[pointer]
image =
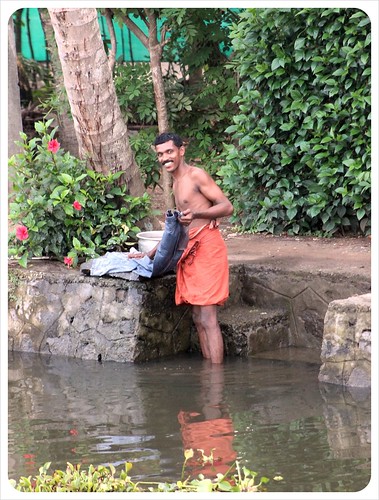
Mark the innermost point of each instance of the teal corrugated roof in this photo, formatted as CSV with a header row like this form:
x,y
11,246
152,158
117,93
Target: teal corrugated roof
x,y
33,45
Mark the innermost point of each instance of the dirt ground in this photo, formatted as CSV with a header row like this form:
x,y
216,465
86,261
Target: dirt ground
x,y
347,255
307,253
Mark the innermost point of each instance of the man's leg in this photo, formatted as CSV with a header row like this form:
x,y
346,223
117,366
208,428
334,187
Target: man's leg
x,y
208,329
196,316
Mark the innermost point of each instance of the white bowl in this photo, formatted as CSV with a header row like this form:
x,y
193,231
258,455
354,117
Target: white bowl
x,y
148,240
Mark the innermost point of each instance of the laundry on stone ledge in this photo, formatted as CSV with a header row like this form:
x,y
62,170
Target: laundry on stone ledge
x,y
116,264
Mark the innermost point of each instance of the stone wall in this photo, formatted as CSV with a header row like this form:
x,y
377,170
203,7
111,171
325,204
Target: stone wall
x,y
59,311
270,308
346,345
303,295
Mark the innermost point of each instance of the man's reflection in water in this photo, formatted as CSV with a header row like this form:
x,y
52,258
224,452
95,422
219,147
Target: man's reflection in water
x,y
212,429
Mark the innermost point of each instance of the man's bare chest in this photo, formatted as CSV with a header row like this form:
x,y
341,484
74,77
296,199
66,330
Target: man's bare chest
x,y
185,194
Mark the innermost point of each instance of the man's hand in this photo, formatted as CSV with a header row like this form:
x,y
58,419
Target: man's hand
x,y
139,255
186,217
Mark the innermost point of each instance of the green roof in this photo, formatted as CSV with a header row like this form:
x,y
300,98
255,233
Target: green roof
x,y
33,45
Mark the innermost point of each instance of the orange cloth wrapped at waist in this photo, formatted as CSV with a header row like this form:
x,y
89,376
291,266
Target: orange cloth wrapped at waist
x,y
202,273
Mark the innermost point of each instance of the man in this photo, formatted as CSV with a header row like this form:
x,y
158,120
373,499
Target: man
x,y
202,277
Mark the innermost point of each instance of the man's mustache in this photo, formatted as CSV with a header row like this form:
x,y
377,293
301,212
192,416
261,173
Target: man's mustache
x,y
166,161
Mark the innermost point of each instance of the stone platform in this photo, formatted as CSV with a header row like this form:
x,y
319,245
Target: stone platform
x,y
63,312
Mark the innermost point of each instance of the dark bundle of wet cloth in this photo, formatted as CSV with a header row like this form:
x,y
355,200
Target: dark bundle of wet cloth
x,y
174,241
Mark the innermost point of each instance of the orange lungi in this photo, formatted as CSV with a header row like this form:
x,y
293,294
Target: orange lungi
x,y
212,436
202,273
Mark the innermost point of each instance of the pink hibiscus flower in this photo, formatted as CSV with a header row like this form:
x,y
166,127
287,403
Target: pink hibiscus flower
x,y
53,145
77,205
22,233
68,261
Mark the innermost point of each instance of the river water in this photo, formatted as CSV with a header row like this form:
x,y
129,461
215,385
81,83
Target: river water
x,y
273,416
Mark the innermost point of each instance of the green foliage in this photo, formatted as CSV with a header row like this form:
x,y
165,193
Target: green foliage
x,y
198,90
135,93
204,125
31,74
145,156
199,111
104,479
204,32
302,163
47,184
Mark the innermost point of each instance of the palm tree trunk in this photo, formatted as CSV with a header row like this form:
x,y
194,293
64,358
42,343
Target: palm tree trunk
x,y
67,135
99,126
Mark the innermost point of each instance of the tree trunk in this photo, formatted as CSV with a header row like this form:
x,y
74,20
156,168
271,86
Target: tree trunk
x,y
155,47
14,104
67,136
100,130
155,51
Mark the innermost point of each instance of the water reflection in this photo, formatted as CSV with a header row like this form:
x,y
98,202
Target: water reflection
x,y
210,432
273,416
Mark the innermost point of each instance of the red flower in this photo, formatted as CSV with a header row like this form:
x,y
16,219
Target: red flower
x,y
77,205
22,233
53,145
68,261
73,432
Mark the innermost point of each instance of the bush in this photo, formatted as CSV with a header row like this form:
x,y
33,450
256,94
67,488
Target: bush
x,y
301,163
63,210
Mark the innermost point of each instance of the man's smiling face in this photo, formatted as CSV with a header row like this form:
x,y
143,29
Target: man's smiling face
x,y
169,155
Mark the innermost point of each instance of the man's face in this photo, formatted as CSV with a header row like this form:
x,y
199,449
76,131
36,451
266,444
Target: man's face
x,y
169,155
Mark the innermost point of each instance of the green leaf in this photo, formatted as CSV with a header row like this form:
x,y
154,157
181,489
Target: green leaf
x,y
56,194
287,126
291,213
361,213
64,193
313,211
23,261
40,127
224,486
339,72
299,43
65,178
76,243
204,486
69,210
276,63
365,22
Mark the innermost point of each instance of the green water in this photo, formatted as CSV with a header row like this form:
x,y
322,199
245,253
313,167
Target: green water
x,y
271,415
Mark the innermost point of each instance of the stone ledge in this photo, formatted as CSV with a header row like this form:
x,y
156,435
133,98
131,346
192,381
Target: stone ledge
x,y
248,330
60,311
346,345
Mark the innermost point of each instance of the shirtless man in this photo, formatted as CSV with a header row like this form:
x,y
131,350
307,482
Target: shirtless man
x,y
203,271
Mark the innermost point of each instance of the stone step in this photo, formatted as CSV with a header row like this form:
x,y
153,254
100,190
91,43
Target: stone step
x,y
292,355
249,330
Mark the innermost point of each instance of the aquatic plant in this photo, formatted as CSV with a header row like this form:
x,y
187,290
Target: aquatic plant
x,y
103,479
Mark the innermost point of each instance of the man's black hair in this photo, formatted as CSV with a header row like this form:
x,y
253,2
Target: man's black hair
x,y
169,136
